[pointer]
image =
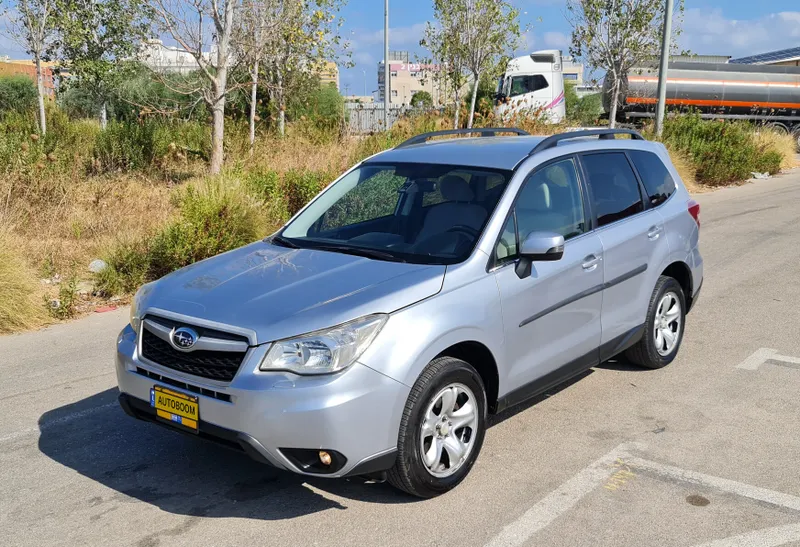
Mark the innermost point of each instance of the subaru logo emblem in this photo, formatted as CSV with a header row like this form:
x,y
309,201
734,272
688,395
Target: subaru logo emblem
x,y
184,338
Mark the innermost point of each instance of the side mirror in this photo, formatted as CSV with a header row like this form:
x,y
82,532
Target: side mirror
x,y
539,247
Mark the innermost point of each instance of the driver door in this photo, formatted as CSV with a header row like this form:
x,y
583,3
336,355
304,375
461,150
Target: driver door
x,y
552,318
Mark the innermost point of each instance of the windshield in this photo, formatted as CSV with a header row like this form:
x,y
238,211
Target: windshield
x,y
425,214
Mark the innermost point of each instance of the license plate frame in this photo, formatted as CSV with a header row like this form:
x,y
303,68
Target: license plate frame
x,y
176,408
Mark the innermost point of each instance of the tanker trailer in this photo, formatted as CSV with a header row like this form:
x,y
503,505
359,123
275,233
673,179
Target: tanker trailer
x,y
768,95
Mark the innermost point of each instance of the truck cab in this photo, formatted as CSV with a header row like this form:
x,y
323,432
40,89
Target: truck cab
x,y
533,85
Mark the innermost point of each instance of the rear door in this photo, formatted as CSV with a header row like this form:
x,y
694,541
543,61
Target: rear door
x,y
634,245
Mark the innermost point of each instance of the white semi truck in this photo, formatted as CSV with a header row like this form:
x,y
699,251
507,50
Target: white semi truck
x,y
533,85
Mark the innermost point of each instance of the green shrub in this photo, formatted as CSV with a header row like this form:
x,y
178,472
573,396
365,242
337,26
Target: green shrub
x,y
215,217
17,93
300,186
583,111
137,146
125,146
64,307
422,99
722,152
127,270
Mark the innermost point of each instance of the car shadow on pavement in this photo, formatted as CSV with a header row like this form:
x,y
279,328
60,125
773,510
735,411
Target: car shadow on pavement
x,y
522,407
181,474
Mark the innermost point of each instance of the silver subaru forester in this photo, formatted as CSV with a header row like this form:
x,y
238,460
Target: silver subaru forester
x,y
429,286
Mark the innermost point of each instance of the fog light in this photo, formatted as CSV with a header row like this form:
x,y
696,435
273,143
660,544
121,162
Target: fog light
x,y
324,458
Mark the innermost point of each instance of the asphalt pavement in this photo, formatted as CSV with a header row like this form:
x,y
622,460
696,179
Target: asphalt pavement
x,y
704,452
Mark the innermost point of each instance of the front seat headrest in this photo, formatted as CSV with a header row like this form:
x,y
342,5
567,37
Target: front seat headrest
x,y
454,188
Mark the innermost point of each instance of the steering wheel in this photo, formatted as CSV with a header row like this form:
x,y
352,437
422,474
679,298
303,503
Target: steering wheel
x,y
464,229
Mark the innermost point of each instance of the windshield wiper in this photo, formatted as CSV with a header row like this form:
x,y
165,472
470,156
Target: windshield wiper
x,y
358,251
283,242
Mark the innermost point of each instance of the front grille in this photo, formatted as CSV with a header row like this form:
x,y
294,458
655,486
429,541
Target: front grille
x,y
183,385
214,365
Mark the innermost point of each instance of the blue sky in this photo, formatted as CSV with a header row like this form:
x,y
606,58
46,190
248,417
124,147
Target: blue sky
x,y
723,27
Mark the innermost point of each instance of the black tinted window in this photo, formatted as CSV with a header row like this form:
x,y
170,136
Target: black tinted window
x,y
614,186
528,84
655,176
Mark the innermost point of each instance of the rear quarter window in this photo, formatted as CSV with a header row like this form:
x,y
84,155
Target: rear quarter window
x,y
656,178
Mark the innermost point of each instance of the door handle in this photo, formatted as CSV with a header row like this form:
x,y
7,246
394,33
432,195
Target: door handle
x,y
590,263
654,232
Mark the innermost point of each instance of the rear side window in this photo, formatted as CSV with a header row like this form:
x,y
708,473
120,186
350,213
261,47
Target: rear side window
x,y
614,186
655,176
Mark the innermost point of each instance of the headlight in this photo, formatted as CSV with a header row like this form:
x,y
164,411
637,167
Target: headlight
x,y
324,351
138,298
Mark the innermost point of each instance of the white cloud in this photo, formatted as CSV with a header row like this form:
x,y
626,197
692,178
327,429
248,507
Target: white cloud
x,y
710,32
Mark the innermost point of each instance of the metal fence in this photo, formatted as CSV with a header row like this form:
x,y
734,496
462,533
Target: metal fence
x,y
368,118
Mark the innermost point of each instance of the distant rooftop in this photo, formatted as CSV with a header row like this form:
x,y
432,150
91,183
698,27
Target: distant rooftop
x,y
792,54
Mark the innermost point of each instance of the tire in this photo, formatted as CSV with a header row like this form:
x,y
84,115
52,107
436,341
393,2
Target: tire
x,y
410,472
653,351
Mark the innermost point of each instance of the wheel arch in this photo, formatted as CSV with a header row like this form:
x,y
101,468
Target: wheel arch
x,y
481,358
680,272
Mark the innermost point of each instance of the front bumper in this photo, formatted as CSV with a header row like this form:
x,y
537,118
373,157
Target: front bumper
x,y
355,413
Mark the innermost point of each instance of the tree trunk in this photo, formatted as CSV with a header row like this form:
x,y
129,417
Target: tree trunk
x,y
253,99
612,116
474,98
217,135
40,92
281,106
457,109
104,116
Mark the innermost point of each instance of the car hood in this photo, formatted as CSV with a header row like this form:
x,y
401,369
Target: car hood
x,y
278,292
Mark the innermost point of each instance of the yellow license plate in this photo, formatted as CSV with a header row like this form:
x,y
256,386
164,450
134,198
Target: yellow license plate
x,y
176,407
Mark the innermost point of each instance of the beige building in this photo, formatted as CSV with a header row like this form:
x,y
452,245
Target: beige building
x,y
406,78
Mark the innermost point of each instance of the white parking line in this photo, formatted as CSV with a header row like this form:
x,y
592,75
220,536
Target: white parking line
x,y
58,421
559,501
762,355
570,493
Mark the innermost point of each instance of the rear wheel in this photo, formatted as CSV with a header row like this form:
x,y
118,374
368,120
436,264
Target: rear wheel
x,y
442,429
664,326
796,135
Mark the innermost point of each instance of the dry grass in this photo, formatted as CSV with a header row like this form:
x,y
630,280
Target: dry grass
x,y
783,143
66,226
20,297
686,170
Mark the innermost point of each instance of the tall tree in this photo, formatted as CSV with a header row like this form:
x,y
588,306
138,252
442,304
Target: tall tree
x,y
196,25
31,25
306,40
447,64
253,41
95,36
474,34
616,35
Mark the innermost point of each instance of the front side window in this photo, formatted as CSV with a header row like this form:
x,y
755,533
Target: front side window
x,y
550,201
420,213
527,84
656,178
614,186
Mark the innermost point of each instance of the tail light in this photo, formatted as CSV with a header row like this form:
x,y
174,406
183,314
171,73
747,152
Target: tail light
x,y
694,210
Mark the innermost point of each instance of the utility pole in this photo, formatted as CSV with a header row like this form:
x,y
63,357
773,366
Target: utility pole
x,y
666,42
386,92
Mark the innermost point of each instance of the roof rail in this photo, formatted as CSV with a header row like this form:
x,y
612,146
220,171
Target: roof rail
x,y
483,131
603,134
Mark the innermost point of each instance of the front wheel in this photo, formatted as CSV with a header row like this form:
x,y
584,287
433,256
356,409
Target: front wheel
x,y
664,327
442,429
